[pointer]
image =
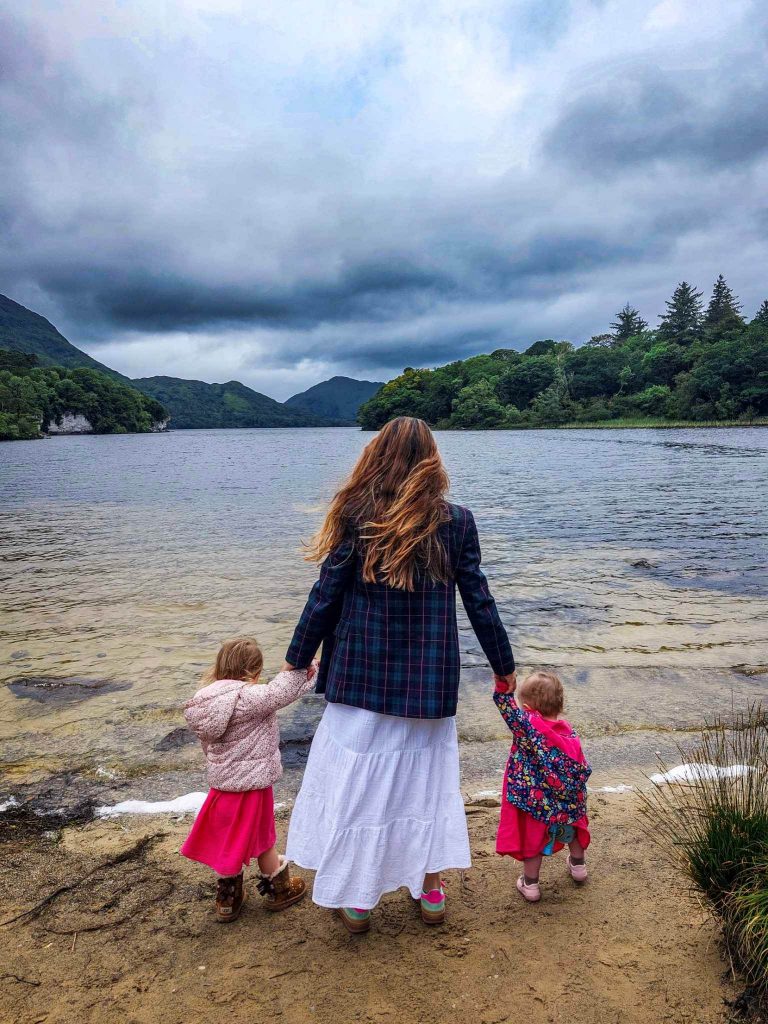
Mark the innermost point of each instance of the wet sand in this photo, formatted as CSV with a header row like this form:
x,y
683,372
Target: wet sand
x,y
137,942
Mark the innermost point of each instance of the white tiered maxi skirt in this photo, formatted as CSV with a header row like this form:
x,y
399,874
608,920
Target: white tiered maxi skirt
x,y
379,806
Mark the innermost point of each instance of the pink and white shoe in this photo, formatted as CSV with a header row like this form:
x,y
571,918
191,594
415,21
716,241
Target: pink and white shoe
x,y
578,872
530,891
433,906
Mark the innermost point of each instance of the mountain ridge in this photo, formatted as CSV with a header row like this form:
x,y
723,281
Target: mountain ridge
x,y
191,403
337,398
42,339
196,404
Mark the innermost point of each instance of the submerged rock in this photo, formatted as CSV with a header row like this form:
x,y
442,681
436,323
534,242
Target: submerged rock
x,y
49,689
176,738
752,670
641,563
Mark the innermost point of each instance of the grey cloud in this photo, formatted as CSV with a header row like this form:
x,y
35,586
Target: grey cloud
x,y
154,187
152,299
644,115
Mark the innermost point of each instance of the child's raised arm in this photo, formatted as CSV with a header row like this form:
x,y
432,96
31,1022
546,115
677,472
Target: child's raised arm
x,y
262,699
527,738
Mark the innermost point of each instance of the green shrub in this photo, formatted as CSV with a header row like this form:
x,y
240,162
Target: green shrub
x,y
716,831
654,401
746,922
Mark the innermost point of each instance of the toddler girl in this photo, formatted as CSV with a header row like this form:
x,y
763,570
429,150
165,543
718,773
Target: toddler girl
x,y
544,800
235,719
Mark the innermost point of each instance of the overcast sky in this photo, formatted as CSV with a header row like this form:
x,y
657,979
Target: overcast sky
x,y
280,190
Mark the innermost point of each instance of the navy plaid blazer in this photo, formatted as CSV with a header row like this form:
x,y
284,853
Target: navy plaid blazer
x,y
397,651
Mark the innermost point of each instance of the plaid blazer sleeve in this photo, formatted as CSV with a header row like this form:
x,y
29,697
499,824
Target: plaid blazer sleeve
x,y
324,604
478,601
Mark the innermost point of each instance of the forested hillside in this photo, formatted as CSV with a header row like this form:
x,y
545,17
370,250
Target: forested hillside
x,y
23,330
191,403
33,396
337,399
195,403
699,364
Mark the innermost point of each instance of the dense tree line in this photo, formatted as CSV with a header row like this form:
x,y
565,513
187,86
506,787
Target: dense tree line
x,y
32,397
699,364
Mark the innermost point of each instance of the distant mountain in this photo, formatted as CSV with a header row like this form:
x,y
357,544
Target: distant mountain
x,y
193,403
336,399
21,330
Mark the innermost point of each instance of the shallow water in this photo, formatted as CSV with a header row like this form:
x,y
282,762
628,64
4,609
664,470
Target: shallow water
x,y
128,558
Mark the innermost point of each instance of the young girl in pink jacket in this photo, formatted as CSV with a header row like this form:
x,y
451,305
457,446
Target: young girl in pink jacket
x,y
235,719
544,799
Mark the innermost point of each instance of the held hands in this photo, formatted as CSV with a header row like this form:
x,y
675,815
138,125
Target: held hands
x,y
506,684
311,669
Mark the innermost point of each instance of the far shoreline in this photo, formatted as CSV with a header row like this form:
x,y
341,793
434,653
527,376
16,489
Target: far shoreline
x,y
618,424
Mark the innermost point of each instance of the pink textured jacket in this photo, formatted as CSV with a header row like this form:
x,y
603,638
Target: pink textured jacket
x,y
237,725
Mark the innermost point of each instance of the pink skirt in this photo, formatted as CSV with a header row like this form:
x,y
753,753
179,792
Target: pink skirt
x,y
521,836
231,829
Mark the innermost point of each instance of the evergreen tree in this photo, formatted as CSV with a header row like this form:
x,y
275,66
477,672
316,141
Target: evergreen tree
x,y
761,316
723,312
682,322
628,323
601,341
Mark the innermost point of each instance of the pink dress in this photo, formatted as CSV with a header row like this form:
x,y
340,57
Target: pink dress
x,y
520,835
231,829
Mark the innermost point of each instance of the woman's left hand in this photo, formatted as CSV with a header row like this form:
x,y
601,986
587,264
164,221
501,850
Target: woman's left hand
x,y
506,684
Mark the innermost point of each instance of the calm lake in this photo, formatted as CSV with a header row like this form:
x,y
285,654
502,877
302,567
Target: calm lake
x,y
634,561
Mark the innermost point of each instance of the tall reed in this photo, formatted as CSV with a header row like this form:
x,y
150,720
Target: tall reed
x,y
746,924
716,831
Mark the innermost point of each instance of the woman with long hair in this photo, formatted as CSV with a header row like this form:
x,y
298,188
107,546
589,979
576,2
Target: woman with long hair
x,y
380,805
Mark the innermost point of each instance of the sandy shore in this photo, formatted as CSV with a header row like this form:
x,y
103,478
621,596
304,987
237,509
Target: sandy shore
x,y
136,942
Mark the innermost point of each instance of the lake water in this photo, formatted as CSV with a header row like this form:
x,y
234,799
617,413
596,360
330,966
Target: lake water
x,y
634,561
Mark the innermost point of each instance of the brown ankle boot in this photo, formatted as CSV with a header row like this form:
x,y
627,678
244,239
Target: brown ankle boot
x,y
230,895
280,890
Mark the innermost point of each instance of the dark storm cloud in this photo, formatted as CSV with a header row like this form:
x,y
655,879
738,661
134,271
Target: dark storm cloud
x,y
649,116
264,191
385,291
143,299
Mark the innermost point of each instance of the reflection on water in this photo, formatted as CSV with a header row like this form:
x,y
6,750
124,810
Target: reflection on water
x,y
129,559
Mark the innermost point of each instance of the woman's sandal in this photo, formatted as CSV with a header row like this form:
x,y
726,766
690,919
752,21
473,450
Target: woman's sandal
x,y
355,921
433,905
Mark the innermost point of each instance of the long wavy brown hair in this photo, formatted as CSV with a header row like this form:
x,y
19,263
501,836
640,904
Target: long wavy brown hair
x,y
394,501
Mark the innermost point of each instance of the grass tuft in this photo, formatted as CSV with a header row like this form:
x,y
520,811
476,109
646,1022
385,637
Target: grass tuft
x,y
716,832
746,924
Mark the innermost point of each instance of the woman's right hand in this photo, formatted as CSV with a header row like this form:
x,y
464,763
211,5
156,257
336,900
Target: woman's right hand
x,y
311,668
506,684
